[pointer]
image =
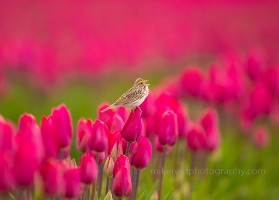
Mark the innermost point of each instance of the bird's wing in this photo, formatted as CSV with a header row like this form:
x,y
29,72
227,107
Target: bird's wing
x,y
128,97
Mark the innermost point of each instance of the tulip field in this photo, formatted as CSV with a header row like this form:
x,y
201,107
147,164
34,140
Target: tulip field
x,y
207,129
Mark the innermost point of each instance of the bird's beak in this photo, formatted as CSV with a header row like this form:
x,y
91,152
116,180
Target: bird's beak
x,y
145,81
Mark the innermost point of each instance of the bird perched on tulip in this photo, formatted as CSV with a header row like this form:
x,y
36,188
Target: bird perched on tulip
x,y
133,97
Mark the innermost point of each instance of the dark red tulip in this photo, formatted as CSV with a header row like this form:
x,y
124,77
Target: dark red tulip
x,y
63,124
72,178
98,140
122,185
89,169
52,176
261,137
143,155
168,128
196,138
105,115
115,123
132,129
121,161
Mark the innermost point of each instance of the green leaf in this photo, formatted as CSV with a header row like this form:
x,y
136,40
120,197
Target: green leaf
x,y
148,196
169,194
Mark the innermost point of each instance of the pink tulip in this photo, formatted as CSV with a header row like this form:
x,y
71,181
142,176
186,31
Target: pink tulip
x,y
132,129
25,121
72,178
182,121
6,174
50,142
115,123
121,161
7,135
89,169
62,121
255,64
261,137
122,185
83,134
105,115
143,155
196,138
113,139
168,128
122,112
150,126
52,177
98,140
147,107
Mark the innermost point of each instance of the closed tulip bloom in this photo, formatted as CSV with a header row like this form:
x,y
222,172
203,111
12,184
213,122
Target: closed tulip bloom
x,y
7,135
122,185
182,121
196,138
50,142
168,128
121,161
52,177
6,174
113,139
132,129
89,169
26,164
63,125
25,121
72,178
98,140
143,155
108,167
104,117
83,134
115,123
261,137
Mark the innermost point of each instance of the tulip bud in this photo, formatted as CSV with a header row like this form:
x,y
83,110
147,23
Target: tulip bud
x,y
63,125
196,138
168,129
122,185
121,161
117,150
89,169
72,178
51,173
261,137
98,140
108,167
104,117
83,134
143,155
49,138
132,129
115,123
7,179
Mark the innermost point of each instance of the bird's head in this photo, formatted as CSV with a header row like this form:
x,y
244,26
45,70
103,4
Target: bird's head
x,y
141,82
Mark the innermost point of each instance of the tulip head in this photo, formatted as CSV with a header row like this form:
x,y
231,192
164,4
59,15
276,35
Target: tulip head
x,y
122,185
132,129
121,161
108,167
143,154
115,123
98,140
196,138
89,169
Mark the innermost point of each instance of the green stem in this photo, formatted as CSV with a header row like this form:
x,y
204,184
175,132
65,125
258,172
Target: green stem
x,y
127,149
162,175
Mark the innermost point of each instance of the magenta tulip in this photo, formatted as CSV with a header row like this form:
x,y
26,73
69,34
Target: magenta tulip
x,y
168,128
159,147
113,139
25,121
196,138
122,112
98,140
121,161
104,117
72,178
115,123
62,121
7,135
122,185
52,177
89,169
132,129
143,155
6,174
83,134
182,121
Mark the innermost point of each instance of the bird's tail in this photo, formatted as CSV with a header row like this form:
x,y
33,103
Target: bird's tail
x,y
107,108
